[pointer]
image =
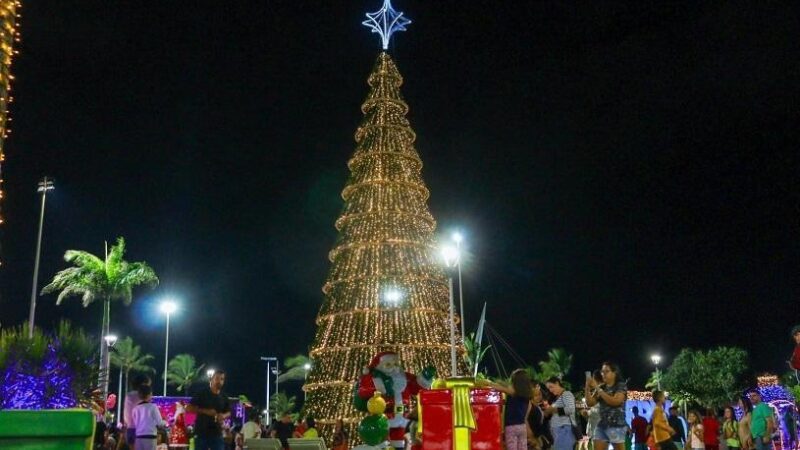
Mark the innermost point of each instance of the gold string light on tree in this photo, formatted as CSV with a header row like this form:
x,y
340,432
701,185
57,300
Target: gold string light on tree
x,y
386,290
8,37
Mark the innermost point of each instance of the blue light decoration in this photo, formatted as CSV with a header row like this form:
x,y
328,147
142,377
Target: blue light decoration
x,y
783,407
386,21
48,386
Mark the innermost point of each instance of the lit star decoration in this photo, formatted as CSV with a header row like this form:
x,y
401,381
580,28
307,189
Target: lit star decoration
x,y
386,21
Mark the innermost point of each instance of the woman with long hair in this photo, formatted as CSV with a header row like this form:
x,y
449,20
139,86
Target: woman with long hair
x,y
610,395
730,429
745,436
662,431
562,415
694,441
518,407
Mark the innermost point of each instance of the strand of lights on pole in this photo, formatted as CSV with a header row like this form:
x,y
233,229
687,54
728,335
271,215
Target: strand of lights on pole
x,y
9,35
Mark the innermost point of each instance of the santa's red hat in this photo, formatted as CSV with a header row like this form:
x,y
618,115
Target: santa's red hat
x,y
380,357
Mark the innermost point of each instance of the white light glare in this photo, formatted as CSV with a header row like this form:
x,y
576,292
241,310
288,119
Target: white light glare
x,y
110,339
656,359
393,296
168,307
458,237
210,373
450,255
307,366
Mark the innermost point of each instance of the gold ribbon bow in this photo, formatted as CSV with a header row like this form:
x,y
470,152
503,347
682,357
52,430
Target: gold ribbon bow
x,y
463,417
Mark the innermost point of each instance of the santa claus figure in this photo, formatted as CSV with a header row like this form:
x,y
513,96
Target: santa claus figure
x,y
385,375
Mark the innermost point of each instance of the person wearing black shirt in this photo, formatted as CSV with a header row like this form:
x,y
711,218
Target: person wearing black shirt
x,y
676,424
283,430
212,408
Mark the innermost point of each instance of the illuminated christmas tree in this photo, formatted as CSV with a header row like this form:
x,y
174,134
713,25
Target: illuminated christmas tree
x,y
386,290
8,36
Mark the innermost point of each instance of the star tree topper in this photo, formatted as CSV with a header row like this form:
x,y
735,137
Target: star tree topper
x,y
386,21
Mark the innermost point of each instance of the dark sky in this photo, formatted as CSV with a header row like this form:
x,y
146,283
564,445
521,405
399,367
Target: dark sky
x,y
625,173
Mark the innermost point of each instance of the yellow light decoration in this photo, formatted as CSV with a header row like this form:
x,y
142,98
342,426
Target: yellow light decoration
x,y
8,35
386,240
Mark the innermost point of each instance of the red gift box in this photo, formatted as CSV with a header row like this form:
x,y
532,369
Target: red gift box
x,y
437,419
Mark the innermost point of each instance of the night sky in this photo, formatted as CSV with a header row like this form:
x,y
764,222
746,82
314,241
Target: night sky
x,y
625,173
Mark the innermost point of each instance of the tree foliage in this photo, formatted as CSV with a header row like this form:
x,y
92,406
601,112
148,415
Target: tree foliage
x,y
474,354
280,404
558,364
710,378
183,372
294,368
93,278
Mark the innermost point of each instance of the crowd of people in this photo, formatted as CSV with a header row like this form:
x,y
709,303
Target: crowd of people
x,y
546,416
144,428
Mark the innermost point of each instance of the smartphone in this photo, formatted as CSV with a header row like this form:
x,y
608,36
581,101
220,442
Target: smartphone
x,y
588,374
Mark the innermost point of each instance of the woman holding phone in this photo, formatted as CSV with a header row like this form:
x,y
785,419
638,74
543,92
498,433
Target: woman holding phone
x,y
610,395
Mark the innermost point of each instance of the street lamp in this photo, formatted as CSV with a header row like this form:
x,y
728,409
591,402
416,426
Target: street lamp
x,y
45,185
306,367
268,360
210,373
451,256
458,238
167,307
656,358
110,340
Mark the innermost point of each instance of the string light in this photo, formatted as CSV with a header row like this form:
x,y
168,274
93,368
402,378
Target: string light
x,y
386,289
8,35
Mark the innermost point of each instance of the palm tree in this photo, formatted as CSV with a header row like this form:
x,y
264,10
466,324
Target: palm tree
x,y
127,357
181,371
296,368
474,353
280,404
107,279
558,363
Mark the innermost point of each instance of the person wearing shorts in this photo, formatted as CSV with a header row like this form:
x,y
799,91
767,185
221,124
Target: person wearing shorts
x,y
611,396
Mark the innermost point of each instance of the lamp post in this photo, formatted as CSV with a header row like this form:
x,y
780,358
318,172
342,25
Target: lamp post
x,y
45,185
656,358
306,367
451,257
458,237
268,360
167,307
110,339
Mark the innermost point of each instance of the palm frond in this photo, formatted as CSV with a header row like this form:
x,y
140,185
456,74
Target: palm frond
x,y
85,259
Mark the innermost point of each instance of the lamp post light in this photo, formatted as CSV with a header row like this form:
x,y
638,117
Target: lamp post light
x,y
268,360
451,256
167,307
656,358
306,367
110,340
458,238
210,373
45,185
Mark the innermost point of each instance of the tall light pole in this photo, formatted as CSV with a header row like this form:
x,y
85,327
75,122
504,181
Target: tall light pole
x,y
268,360
306,367
656,358
167,307
451,257
45,185
458,238
110,340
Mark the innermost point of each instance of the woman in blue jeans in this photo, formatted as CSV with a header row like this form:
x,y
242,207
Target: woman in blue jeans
x,y
610,395
562,415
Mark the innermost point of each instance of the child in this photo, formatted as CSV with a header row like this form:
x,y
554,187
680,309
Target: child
x,y
146,420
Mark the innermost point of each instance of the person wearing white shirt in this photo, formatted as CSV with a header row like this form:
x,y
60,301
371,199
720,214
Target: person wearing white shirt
x,y
146,420
131,400
252,428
